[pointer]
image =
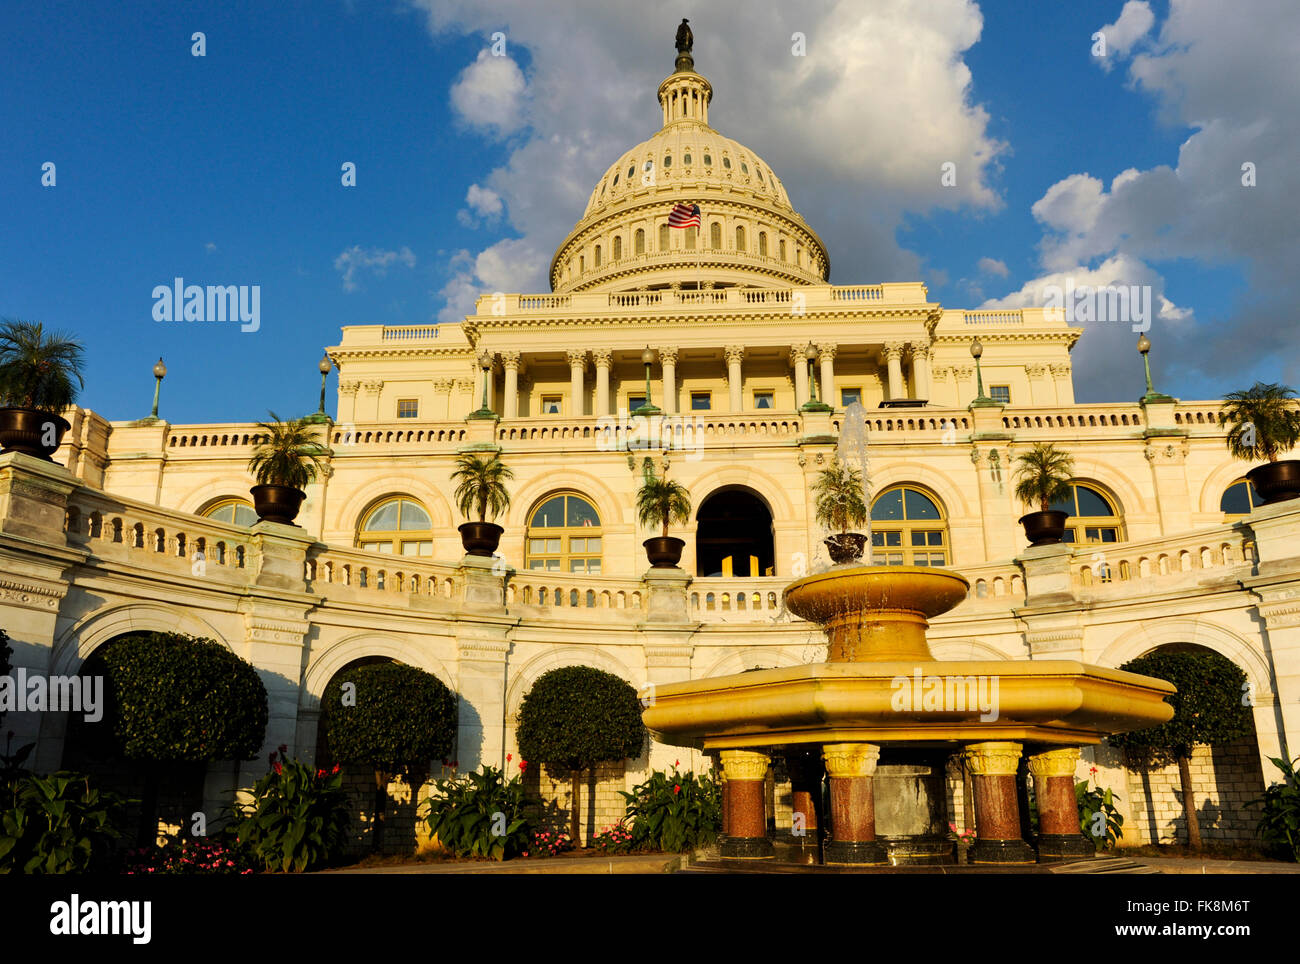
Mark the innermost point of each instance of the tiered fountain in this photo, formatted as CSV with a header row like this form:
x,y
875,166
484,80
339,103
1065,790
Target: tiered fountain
x,y
881,717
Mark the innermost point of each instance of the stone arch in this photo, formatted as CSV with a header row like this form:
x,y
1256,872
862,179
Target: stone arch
x,y
760,483
966,649
201,497
1217,482
1129,500
1143,638
346,518
607,503
334,656
78,641
750,657
955,506
557,657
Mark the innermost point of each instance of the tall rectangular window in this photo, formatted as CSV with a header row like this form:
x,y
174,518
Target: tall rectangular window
x,y
408,407
1000,394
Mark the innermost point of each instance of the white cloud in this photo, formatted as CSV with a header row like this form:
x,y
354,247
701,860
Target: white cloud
x,y
511,265
373,260
490,94
486,204
993,266
1134,22
210,247
862,123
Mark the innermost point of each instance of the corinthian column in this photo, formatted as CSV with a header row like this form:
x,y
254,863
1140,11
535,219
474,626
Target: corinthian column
x,y
510,361
921,369
800,366
602,358
668,362
735,353
894,359
826,356
577,363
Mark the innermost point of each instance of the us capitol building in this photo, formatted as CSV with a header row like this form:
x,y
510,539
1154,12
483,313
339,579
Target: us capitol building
x,y
732,327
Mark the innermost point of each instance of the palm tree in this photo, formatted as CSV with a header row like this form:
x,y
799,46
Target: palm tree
x,y
287,454
1043,475
38,368
660,502
481,485
840,503
1265,421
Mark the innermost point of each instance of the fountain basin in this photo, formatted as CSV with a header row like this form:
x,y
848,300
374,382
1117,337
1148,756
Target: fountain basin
x,y
1052,702
873,613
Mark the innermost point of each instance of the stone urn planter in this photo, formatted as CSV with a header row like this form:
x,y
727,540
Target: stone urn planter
x,y
480,538
664,552
31,431
277,503
846,547
1044,528
1276,481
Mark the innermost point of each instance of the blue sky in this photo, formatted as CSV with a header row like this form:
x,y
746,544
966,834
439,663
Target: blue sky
x,y
225,169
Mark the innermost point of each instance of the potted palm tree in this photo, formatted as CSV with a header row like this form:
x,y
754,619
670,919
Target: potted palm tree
x,y
840,506
38,370
660,502
481,489
287,457
1265,423
1042,478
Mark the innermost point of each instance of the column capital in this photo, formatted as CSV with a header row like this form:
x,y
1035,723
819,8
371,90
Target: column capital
x,y
894,350
602,357
735,354
463,384
577,357
826,350
741,765
509,360
850,759
667,354
993,759
441,384
1054,763
1060,371
1036,370
919,349
349,387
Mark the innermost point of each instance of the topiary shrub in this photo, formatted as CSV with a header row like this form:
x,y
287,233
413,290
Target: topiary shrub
x,y
392,718
1210,709
576,717
172,699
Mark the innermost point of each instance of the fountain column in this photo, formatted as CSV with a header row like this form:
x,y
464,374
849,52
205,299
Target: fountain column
x,y
746,819
997,813
1059,835
850,767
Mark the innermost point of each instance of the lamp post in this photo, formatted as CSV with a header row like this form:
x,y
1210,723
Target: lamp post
x,y
485,363
159,373
647,359
812,405
981,400
1144,346
325,366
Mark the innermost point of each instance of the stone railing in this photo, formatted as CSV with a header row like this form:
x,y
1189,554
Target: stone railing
x,y
1215,552
1012,316
1053,418
346,438
689,430
936,421
730,600
410,332
329,568
230,435
574,591
994,584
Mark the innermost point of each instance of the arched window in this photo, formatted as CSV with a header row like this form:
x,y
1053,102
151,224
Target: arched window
x,y
740,238
564,535
715,236
1239,499
663,237
762,243
1093,515
238,511
397,526
908,528
640,241
618,247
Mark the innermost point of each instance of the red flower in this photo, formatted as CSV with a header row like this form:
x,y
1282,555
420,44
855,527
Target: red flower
x,y
523,765
677,789
336,769
278,768
509,757
675,763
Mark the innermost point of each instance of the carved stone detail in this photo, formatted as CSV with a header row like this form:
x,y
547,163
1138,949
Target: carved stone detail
x,y
850,759
745,765
1054,763
993,759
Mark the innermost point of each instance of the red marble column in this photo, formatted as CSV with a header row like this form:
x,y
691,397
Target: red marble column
x,y
850,767
746,818
997,812
1059,835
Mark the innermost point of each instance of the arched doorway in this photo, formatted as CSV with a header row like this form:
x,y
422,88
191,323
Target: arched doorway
x,y
734,535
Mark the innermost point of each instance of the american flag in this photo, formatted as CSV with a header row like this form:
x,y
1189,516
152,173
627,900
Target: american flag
x,y
684,216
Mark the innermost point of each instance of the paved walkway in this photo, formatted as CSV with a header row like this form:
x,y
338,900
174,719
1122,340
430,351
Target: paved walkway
x,y
1205,865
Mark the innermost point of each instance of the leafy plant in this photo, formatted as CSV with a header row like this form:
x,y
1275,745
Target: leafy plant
x,y
481,814
1043,475
575,717
839,500
298,818
614,840
1099,818
674,811
1208,711
58,824
661,502
1265,421
173,699
549,843
38,368
396,719
190,856
6,653
287,453
481,486
1279,824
